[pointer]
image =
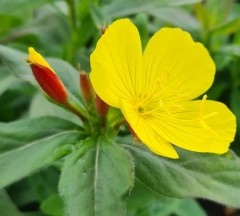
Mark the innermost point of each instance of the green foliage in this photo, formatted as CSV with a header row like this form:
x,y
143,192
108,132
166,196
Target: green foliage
x,y
193,175
53,206
160,205
103,172
29,145
7,206
52,164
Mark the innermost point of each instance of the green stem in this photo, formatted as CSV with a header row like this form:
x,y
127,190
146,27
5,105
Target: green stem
x,y
76,111
72,13
72,46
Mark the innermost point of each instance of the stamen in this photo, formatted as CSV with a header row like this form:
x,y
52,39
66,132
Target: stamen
x,y
202,105
206,127
203,118
140,109
210,115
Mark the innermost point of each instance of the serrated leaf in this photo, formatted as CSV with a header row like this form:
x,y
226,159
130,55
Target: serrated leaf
x,y
96,179
207,176
28,145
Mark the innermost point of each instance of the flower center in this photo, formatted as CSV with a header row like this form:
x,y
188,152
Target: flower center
x,y
149,104
140,109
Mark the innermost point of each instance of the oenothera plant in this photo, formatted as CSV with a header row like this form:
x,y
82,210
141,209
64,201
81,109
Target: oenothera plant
x,y
154,95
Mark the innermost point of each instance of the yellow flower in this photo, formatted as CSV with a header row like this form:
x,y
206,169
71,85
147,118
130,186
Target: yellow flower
x,y
154,90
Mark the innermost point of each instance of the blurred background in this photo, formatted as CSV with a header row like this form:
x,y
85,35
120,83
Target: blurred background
x,y
69,30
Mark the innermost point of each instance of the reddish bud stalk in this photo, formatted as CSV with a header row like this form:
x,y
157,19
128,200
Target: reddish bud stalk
x,y
103,29
133,132
50,83
86,87
102,109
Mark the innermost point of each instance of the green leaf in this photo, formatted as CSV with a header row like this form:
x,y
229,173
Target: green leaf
x,y
159,205
28,145
7,207
115,116
218,88
231,49
100,19
207,176
96,179
176,17
9,23
6,82
123,8
189,207
53,206
227,28
49,109
141,21
18,6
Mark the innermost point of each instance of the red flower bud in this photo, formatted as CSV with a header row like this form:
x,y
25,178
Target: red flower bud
x,y
47,78
101,107
86,87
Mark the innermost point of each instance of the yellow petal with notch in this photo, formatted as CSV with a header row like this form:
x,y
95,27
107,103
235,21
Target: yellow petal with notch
x,y
181,68
116,63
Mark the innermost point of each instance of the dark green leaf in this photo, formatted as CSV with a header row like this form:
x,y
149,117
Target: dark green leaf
x,y
96,179
193,175
28,145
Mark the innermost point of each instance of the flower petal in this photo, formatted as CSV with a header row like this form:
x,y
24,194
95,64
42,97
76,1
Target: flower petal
x,y
147,134
116,61
201,126
182,68
36,58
